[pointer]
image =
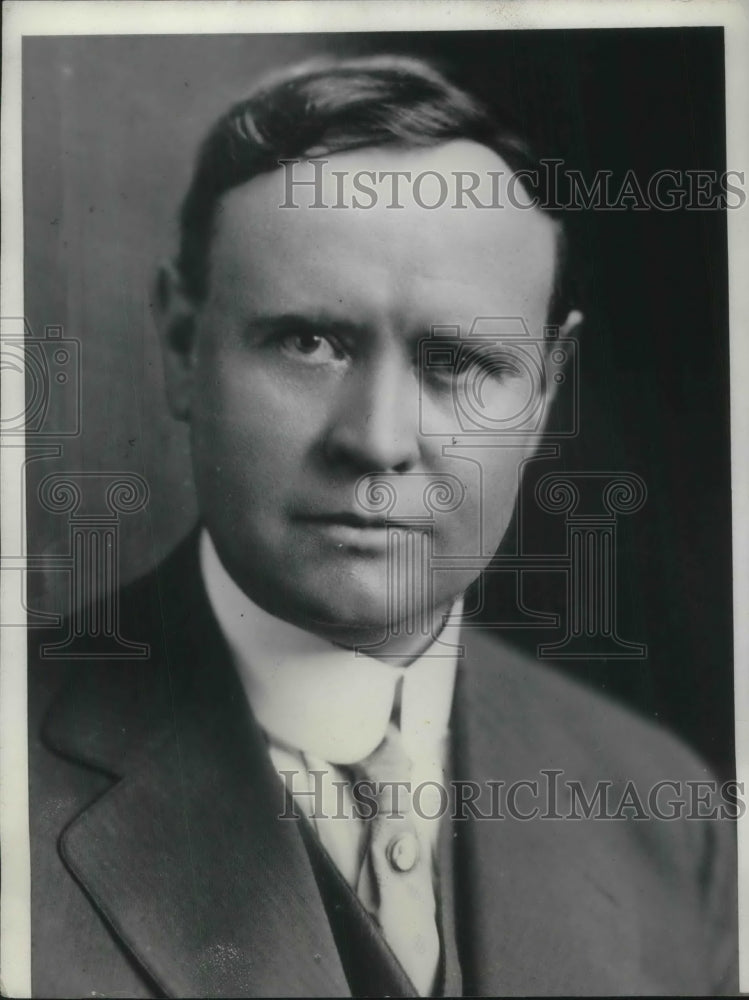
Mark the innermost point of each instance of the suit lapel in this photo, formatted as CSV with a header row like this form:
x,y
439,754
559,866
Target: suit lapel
x,y
185,856
521,927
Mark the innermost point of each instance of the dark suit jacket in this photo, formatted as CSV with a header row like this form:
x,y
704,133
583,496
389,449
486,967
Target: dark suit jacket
x,y
160,867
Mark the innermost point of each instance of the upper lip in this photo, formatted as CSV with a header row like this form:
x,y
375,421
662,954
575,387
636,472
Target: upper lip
x,y
352,518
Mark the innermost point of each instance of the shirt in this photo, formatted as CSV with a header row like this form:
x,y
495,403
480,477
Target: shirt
x,y
322,706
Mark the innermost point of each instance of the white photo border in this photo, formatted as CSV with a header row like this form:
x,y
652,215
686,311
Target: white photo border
x,y
110,17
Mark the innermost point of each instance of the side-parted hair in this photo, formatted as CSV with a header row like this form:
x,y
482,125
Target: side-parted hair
x,y
333,106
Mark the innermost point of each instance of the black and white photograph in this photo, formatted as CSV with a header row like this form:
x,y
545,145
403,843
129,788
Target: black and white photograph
x,y
372,500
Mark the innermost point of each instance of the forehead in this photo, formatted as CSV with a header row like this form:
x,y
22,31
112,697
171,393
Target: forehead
x,y
445,264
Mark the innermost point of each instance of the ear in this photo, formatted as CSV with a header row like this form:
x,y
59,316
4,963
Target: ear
x,y
573,321
175,316
551,372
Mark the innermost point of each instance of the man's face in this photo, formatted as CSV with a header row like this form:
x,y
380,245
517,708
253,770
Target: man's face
x,y
303,383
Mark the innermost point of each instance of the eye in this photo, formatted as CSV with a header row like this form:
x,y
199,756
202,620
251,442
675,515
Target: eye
x,y
310,346
461,361
500,364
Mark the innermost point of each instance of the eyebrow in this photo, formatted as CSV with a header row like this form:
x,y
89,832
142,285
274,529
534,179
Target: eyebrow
x,y
316,323
321,322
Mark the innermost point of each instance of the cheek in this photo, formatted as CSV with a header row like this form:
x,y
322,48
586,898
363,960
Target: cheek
x,y
250,423
505,478
490,497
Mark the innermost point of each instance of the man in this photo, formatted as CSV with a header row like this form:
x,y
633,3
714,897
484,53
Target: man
x,y
219,819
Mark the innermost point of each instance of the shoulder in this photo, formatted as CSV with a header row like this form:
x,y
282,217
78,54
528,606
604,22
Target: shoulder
x,y
566,717
642,814
88,678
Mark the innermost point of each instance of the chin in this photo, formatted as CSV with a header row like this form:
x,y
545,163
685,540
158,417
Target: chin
x,y
375,624
345,611
350,612
346,600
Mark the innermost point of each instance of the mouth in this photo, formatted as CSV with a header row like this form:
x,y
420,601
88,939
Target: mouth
x,y
347,529
348,518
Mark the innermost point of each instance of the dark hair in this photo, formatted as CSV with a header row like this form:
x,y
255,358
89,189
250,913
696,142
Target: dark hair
x,y
332,106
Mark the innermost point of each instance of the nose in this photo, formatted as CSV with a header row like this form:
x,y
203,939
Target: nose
x,y
375,425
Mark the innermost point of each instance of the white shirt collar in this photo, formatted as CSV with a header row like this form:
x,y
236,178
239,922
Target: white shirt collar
x,y
316,697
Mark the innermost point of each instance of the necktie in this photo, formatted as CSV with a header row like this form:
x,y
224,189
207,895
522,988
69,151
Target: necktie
x,y
395,884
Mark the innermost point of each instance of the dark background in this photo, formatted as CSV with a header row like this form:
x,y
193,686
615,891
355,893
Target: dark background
x,y
110,130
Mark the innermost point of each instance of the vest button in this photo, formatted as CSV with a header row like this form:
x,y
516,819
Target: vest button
x,y
403,852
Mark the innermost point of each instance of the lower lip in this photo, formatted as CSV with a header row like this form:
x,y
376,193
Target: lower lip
x,y
349,536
